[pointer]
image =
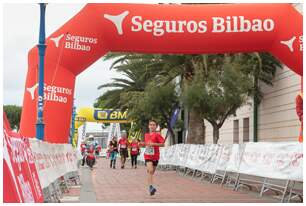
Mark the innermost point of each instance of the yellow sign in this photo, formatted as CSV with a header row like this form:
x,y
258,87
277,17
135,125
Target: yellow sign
x,y
89,114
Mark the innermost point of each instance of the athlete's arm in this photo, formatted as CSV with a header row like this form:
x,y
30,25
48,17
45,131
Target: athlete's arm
x,y
150,144
160,143
157,144
142,144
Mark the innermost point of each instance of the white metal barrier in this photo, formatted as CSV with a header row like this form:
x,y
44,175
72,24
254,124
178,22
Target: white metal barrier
x,y
57,168
267,160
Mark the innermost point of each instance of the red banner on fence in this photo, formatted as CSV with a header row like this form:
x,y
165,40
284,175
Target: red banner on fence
x,y
20,182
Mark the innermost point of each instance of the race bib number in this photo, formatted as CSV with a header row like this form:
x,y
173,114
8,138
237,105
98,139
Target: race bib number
x,y
123,146
149,151
134,149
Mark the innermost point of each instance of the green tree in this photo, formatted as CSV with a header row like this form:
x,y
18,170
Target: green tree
x,y
218,95
164,69
135,80
100,103
144,97
157,102
226,83
262,66
13,114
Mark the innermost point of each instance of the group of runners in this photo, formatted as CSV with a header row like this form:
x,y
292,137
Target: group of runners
x,y
123,146
152,141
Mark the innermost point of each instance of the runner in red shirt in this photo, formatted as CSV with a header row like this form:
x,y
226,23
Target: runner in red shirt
x,y
91,159
134,152
123,145
83,150
98,150
153,141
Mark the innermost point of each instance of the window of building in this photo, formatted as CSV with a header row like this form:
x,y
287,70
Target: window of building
x,y
236,132
246,130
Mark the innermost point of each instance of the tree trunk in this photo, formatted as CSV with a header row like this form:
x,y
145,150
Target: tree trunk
x,y
215,134
196,129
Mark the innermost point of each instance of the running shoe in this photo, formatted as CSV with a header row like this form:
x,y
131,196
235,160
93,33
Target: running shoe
x,y
152,191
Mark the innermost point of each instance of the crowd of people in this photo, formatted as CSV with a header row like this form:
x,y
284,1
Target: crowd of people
x,y
152,141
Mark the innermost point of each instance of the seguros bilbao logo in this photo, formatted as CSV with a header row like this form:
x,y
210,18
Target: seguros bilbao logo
x,y
74,42
160,27
52,93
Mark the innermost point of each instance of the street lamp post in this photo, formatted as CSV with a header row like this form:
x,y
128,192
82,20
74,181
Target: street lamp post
x,y
41,50
72,128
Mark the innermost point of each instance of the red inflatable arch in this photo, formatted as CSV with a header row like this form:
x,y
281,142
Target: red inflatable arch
x,y
189,29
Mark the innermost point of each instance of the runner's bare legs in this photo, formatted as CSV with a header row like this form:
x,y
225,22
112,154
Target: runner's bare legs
x,y
151,153
150,171
123,159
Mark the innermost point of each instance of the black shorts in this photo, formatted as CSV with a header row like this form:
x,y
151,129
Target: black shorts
x,y
155,162
124,152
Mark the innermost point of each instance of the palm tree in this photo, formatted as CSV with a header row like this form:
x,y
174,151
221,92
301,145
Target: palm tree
x,y
164,69
135,92
135,80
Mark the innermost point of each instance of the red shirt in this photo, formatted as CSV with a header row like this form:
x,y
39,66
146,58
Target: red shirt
x,y
153,154
90,152
83,147
134,148
123,143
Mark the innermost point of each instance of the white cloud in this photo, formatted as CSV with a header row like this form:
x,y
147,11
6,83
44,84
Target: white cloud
x,y
21,30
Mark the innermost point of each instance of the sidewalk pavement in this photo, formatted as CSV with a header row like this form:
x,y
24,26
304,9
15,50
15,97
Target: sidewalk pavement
x,y
87,193
129,185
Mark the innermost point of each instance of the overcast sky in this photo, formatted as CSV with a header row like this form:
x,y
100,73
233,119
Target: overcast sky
x,y
21,30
